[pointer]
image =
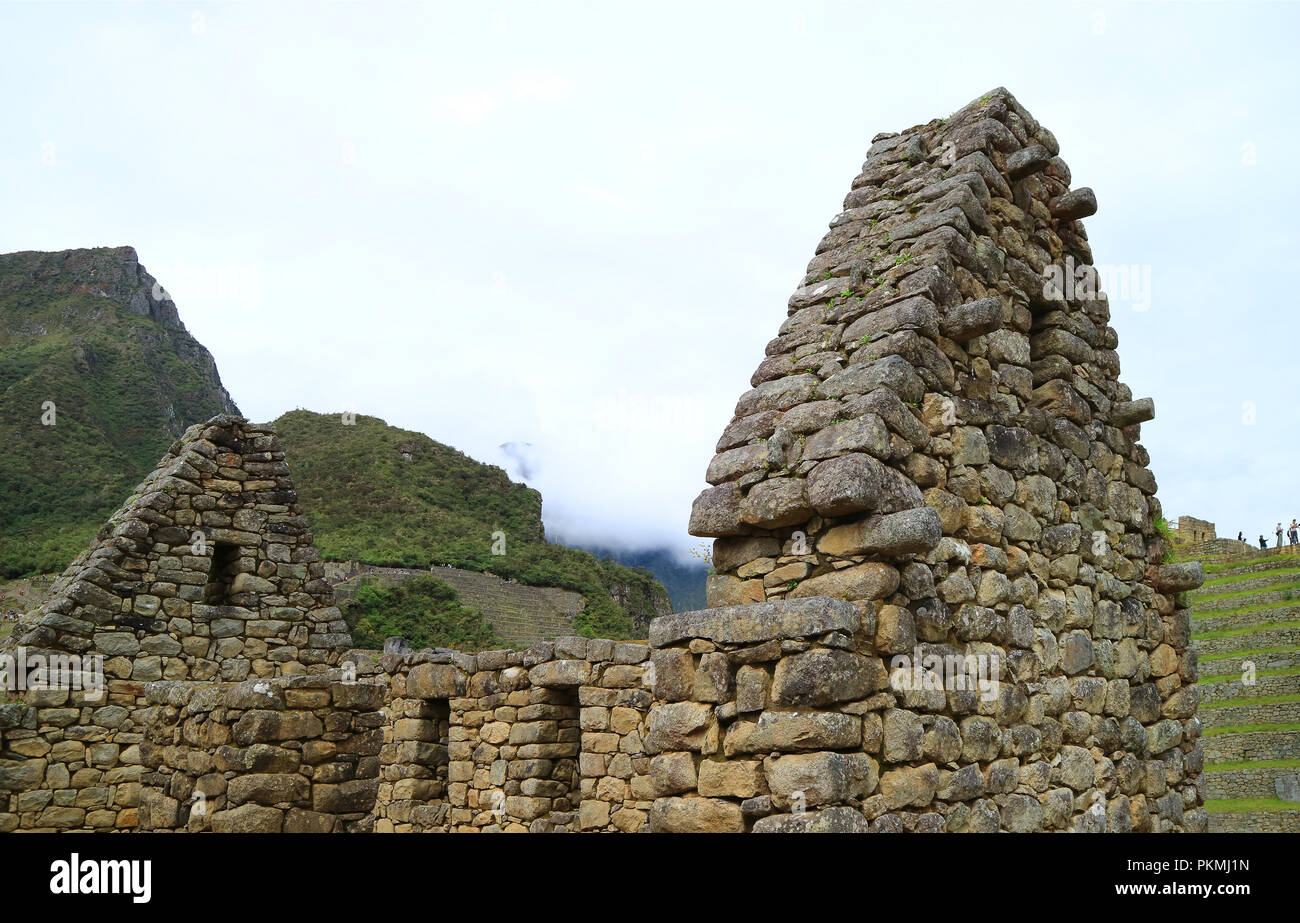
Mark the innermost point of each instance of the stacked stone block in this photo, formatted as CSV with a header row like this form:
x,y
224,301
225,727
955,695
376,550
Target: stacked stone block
x,y
938,436
208,572
544,740
294,754
766,719
70,760
289,754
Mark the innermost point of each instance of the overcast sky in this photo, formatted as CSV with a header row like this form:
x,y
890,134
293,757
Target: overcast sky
x,y
573,227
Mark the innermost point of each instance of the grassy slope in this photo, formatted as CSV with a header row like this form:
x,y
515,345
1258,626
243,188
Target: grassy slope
x,y
426,611
366,502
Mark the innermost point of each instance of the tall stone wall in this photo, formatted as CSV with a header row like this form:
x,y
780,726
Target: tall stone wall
x,y
938,435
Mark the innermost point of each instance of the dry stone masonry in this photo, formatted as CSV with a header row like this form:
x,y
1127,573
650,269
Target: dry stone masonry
x,y
1191,529
207,574
940,602
938,437
549,739
294,754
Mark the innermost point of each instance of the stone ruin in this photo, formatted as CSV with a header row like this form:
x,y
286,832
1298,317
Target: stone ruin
x,y
207,572
939,437
940,602
1191,529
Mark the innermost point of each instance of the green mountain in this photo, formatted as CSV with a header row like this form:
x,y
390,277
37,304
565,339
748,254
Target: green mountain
x,y
97,377
387,496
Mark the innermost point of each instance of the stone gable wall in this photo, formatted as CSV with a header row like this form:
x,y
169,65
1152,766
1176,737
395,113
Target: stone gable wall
x,y
140,596
938,436
1191,529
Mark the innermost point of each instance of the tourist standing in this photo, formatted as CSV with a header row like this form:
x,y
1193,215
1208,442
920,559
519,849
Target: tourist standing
x,y
1279,535
1262,544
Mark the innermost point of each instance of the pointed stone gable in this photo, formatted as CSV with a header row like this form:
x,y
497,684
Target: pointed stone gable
x,y
944,393
939,437
208,572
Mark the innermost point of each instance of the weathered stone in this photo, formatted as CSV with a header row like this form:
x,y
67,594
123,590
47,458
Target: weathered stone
x,y
793,731
435,681
248,818
716,512
677,726
795,618
907,532
673,773
849,484
1176,578
865,581
776,502
730,779
866,433
915,786
823,677
696,815
829,820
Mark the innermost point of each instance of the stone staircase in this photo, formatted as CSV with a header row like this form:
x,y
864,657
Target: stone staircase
x,y
1246,618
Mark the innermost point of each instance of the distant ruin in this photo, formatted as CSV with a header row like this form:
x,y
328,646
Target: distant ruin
x,y
1191,529
940,602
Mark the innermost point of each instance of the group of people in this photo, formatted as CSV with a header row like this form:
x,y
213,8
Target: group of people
x,y
1292,533
9,613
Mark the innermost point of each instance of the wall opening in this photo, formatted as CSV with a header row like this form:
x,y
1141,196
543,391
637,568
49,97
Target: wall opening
x,y
439,712
225,564
564,770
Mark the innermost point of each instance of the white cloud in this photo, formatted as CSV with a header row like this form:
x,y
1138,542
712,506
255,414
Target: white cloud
x,y
545,87
471,107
